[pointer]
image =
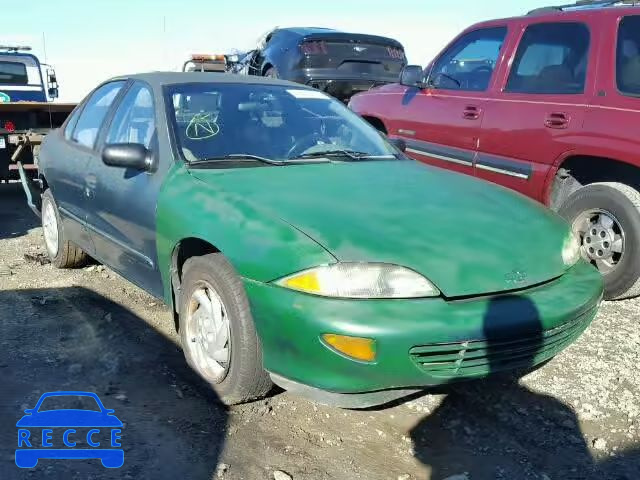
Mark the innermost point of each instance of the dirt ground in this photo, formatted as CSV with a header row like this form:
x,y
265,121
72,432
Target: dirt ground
x,y
576,418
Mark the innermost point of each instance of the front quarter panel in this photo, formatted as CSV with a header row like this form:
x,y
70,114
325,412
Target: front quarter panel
x,y
384,103
260,246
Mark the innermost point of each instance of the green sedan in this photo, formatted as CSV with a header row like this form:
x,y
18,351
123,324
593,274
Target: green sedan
x,y
297,246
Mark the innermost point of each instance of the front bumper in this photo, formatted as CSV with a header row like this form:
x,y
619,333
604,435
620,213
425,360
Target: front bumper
x,y
421,342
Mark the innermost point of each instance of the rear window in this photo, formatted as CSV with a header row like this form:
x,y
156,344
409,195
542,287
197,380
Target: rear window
x,y
13,73
628,56
551,58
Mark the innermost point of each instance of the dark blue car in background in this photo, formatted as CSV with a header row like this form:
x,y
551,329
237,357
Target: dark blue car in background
x,y
339,63
90,432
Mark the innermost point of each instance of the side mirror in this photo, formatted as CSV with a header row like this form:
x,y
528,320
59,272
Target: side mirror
x,y
412,76
127,155
399,143
53,92
29,411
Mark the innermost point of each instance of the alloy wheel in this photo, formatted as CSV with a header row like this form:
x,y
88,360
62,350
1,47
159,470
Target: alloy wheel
x,y
602,239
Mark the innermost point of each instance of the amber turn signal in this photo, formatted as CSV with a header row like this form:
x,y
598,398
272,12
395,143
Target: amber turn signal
x,y
358,348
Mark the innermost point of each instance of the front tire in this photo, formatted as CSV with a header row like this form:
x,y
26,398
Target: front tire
x,y
218,336
606,217
61,252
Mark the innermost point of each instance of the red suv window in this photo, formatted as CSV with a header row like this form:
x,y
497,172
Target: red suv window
x,y
628,56
551,58
468,64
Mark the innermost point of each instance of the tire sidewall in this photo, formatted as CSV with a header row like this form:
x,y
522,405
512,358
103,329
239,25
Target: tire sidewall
x,y
611,200
218,273
47,198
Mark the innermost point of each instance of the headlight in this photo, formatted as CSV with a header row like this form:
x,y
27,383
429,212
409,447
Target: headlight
x,y
571,250
361,280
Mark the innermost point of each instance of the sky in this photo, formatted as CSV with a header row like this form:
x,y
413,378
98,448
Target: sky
x,y
88,41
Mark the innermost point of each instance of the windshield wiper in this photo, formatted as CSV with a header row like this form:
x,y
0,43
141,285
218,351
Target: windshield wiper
x,y
352,154
246,157
238,157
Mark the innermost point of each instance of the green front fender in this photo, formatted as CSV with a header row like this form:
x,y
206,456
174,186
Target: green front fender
x,y
259,246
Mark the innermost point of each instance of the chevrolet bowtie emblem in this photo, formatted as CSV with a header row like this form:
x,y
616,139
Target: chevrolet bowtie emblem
x,y
515,277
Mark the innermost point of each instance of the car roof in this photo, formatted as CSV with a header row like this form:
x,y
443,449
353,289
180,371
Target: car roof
x,y
579,12
160,79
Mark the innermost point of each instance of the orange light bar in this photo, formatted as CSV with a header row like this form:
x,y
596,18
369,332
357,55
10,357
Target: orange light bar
x,y
198,57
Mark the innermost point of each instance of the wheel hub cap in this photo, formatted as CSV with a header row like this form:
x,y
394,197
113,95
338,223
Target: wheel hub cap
x,y
50,229
602,239
208,333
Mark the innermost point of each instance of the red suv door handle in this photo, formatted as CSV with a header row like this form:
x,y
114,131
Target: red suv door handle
x,y
471,112
557,120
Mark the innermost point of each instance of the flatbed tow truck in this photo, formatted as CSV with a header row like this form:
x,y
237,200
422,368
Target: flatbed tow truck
x,y
27,113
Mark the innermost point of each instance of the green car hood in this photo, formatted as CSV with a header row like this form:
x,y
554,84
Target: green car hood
x,y
467,236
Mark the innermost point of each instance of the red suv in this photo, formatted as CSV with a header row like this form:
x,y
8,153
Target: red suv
x,y
547,104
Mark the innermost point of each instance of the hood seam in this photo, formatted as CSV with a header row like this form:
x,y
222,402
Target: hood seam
x,y
310,238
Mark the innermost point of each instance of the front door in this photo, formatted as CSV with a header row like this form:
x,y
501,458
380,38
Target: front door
x,y
122,206
441,124
538,114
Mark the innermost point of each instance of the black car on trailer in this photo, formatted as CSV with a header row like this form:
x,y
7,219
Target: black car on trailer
x,y
339,63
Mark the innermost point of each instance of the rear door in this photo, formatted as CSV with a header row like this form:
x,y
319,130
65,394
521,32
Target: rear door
x,y
68,156
612,123
537,115
441,124
122,205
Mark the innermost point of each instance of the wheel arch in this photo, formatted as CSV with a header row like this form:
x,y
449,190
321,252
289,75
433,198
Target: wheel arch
x,y
185,249
266,66
576,170
377,123
44,185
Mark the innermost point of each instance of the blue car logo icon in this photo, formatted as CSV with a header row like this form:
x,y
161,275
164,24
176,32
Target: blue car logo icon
x,y
69,433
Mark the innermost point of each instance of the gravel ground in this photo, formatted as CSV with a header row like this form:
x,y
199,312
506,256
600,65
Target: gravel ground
x,y
578,417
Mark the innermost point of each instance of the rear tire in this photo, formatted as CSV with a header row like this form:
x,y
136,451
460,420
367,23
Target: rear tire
x,y
224,348
615,202
61,252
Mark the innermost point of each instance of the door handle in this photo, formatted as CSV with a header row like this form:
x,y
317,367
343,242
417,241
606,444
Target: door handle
x,y
557,120
471,112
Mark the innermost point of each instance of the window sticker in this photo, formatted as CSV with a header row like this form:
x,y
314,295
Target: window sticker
x,y
202,127
307,94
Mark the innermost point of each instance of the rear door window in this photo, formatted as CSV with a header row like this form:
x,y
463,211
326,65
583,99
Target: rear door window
x,y
468,64
552,58
71,123
628,56
94,112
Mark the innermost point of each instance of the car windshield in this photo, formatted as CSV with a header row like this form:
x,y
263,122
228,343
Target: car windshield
x,y
69,402
270,124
